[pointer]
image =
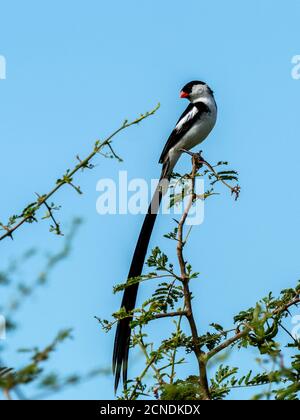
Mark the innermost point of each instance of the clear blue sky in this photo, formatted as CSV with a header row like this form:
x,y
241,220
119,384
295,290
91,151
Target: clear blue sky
x,y
75,70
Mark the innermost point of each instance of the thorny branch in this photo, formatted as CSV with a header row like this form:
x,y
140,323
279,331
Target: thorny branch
x,y
200,162
185,281
28,214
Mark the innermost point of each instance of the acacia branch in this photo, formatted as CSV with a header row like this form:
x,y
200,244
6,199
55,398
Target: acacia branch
x,y
170,314
173,358
185,281
56,226
285,308
143,347
28,213
139,379
228,343
234,190
247,330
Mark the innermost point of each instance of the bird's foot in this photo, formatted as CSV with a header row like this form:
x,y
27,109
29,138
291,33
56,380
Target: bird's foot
x,y
199,159
196,157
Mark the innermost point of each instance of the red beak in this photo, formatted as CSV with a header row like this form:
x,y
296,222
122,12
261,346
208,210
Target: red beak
x,y
184,94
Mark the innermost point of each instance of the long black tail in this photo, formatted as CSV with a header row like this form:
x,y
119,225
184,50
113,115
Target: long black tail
x,y
122,338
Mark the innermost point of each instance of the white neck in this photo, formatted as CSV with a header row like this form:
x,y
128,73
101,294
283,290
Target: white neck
x,y
208,100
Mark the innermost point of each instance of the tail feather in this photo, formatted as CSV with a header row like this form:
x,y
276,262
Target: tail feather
x,y
122,338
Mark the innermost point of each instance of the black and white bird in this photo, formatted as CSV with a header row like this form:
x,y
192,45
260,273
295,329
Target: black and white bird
x,y
192,128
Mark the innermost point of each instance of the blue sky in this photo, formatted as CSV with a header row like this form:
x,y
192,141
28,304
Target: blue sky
x,y
75,70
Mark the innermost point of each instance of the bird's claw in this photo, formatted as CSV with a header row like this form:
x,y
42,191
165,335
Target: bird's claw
x,y
198,159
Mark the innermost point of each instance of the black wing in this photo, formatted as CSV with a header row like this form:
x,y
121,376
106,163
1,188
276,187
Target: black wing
x,y
185,122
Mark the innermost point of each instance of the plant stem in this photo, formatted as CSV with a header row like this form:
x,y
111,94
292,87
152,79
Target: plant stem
x,y
200,355
140,378
158,375
173,359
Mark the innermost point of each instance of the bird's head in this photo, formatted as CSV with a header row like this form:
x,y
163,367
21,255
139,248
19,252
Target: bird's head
x,y
195,91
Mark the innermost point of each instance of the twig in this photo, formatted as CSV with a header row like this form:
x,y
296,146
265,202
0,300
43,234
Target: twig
x,y
170,314
68,178
284,308
114,154
140,378
289,334
228,343
143,347
51,215
200,161
173,359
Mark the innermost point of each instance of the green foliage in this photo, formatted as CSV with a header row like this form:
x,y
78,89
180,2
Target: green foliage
x,y
167,295
213,177
259,328
221,383
265,320
159,260
31,371
182,390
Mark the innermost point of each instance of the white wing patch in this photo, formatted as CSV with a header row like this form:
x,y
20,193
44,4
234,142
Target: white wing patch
x,y
186,118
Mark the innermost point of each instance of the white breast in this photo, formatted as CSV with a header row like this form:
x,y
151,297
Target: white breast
x,y
195,136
